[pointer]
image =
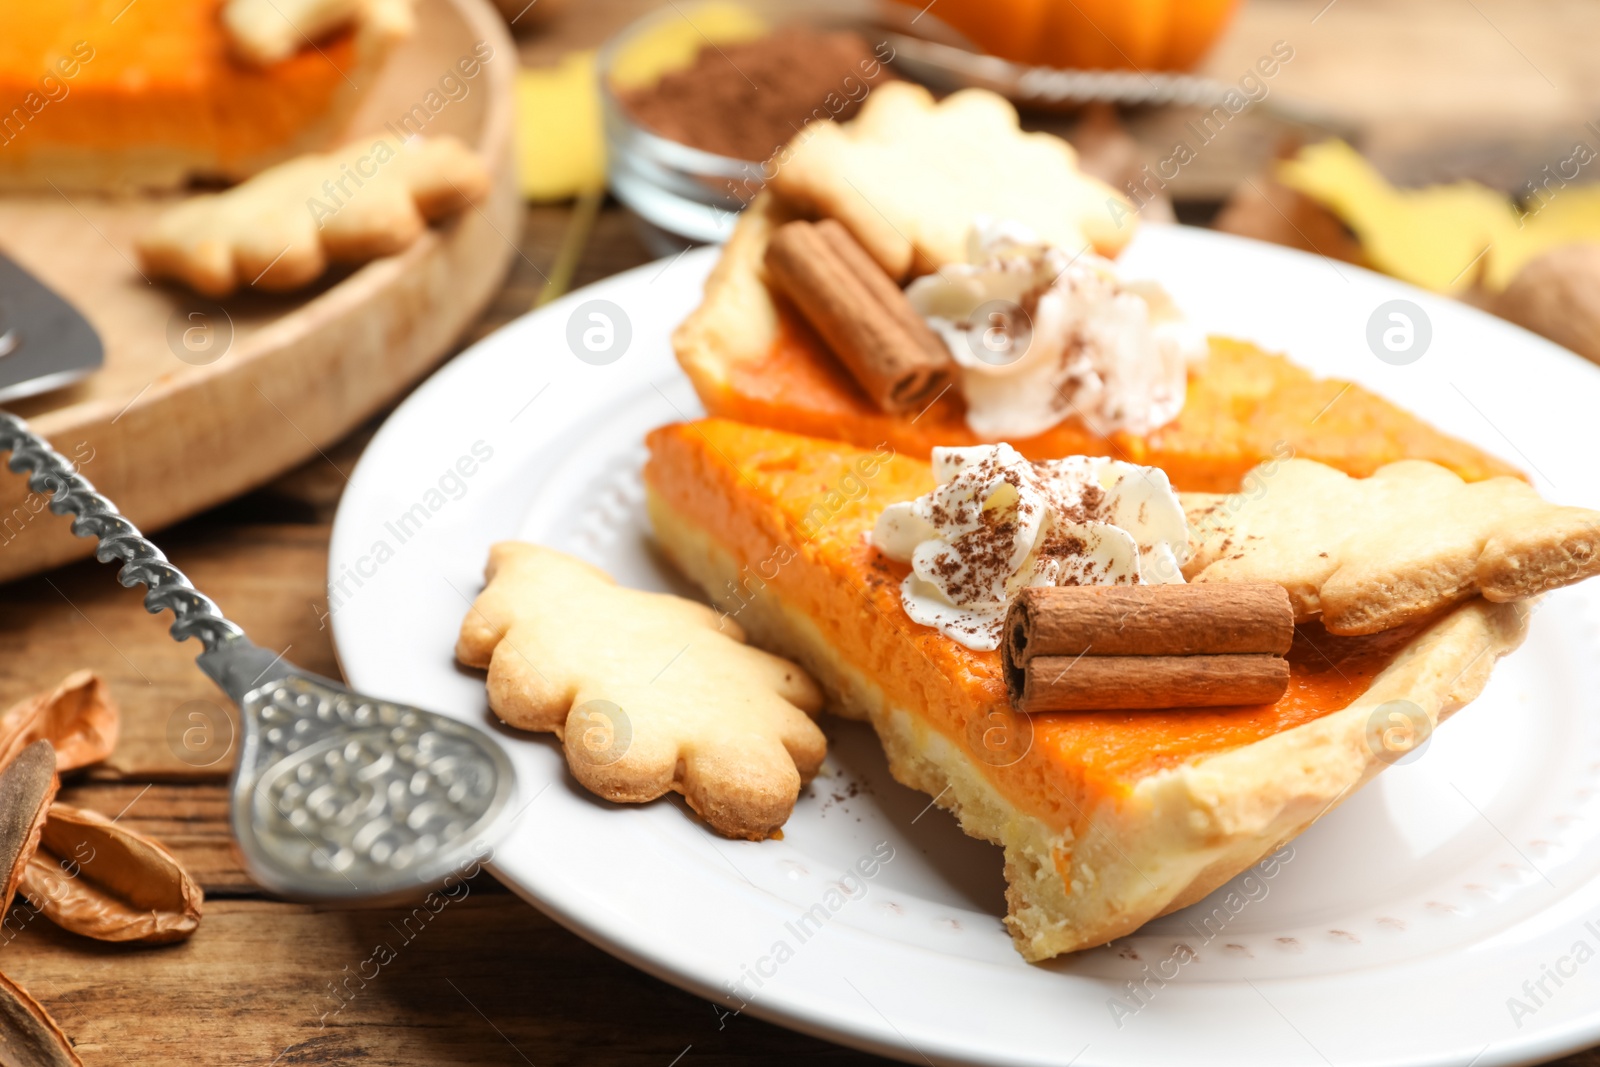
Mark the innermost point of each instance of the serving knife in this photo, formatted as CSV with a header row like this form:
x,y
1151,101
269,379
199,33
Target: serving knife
x,y
45,342
336,795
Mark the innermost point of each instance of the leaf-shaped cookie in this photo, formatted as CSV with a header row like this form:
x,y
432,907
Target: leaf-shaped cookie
x,y
280,229
649,692
909,177
264,32
1369,554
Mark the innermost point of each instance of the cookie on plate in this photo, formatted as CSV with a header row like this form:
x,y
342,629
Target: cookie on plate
x,y
650,693
1370,554
908,176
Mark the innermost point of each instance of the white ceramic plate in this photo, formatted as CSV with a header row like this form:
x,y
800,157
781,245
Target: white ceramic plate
x,y
1401,931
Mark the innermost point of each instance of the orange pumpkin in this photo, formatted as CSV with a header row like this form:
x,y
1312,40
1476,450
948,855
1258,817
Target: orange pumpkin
x,y
1091,34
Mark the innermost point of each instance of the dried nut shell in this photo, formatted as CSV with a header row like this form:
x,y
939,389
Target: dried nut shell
x,y
1557,295
28,1036
105,881
78,717
27,786
1264,209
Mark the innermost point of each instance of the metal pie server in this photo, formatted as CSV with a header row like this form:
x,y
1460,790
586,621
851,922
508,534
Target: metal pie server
x,y
44,342
336,795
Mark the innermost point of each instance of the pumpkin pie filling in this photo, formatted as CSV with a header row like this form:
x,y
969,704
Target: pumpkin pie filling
x,y
1244,406
794,515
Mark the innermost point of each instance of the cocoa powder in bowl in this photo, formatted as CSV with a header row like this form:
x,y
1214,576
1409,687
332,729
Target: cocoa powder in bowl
x,y
747,100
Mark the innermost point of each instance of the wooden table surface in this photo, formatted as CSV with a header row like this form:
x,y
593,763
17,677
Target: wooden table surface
x,y
1438,87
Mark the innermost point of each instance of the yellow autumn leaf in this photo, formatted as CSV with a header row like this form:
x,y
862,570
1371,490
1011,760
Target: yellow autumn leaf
x,y
1438,238
1570,216
560,151
560,138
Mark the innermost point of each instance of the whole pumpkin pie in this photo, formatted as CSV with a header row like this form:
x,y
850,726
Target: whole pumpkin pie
x,y
1107,819
106,94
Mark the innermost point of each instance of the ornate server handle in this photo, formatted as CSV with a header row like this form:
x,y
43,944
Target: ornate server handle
x,y
52,474
402,796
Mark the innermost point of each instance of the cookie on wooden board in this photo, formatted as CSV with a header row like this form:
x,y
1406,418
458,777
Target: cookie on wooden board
x,y
281,229
264,32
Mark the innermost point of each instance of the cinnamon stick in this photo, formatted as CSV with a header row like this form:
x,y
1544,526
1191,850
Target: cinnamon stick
x,y
1208,618
860,312
1125,683
1116,648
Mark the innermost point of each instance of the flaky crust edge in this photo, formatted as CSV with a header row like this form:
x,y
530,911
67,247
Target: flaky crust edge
x,y
736,322
1182,832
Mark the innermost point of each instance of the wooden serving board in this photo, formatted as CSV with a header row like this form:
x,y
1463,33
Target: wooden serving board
x,y
199,402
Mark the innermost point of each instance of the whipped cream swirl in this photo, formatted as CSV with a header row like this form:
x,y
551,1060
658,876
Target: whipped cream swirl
x,y
1040,334
997,522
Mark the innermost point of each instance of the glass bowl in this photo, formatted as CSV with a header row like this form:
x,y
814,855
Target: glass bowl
x,y
681,195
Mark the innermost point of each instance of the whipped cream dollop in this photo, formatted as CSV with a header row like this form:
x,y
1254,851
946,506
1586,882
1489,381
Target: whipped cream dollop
x,y
998,522
1039,334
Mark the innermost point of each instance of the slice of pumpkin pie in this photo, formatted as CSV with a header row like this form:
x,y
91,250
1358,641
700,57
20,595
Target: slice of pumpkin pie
x,y
111,95
886,578
995,239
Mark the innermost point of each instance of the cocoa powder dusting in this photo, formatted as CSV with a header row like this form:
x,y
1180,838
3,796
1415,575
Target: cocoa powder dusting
x,y
748,100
